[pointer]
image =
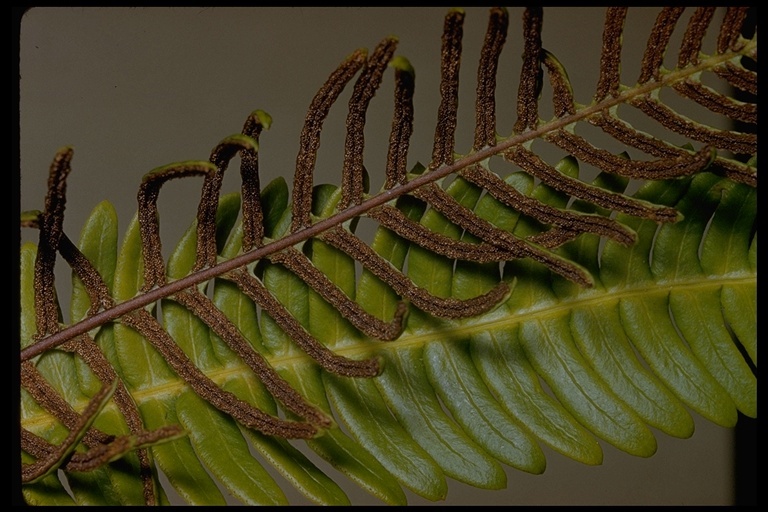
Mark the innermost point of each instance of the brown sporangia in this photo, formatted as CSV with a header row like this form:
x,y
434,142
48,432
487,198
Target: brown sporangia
x,y
97,291
626,134
562,91
394,220
209,198
531,75
402,125
695,90
512,247
738,142
149,225
537,167
665,168
608,84
100,454
299,264
50,225
206,311
83,345
309,141
368,82
103,448
741,143
201,305
485,103
402,128
610,55
78,427
341,365
484,230
403,286
50,399
657,43
739,77
450,60
718,103
146,325
730,30
482,241
250,188
568,219
694,36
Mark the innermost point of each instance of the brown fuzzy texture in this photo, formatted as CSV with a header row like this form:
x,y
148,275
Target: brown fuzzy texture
x,y
450,59
368,324
341,365
718,103
50,224
658,42
515,246
610,57
309,142
739,77
738,142
250,190
402,128
352,175
394,220
38,468
730,30
531,73
694,34
485,104
206,311
685,164
403,286
146,325
534,165
149,225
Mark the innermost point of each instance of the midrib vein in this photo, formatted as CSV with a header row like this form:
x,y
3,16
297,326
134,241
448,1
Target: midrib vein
x,y
364,348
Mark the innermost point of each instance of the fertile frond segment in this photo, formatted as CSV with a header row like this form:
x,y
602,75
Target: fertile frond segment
x,y
266,322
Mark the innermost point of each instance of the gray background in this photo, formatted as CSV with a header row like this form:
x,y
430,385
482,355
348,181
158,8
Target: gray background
x,y
135,88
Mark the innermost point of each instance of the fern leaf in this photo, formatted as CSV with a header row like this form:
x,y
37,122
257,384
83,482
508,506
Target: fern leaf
x,y
489,315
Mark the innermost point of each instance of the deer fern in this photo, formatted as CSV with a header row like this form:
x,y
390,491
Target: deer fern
x,y
489,312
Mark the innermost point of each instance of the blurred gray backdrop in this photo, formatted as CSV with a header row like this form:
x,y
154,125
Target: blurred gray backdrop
x,y
132,89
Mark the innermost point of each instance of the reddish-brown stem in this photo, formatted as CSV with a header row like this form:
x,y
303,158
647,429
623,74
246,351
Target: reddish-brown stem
x,y
313,230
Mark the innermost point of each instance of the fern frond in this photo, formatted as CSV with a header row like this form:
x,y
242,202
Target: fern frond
x,y
490,313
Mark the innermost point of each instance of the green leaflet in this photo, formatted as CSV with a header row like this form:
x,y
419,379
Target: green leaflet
x,y
476,410
499,350
98,243
115,484
141,366
403,382
338,449
48,492
192,333
288,460
723,251
365,414
505,369
219,443
409,394
649,325
27,326
178,460
334,446
669,325
103,486
600,337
